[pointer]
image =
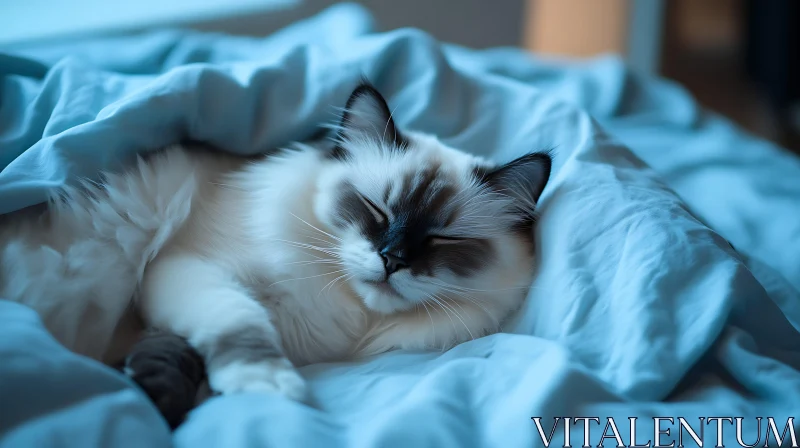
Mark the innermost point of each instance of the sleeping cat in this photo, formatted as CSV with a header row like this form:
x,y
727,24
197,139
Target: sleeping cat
x,y
380,239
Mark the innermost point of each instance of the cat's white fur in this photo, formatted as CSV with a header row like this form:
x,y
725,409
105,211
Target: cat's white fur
x,y
208,244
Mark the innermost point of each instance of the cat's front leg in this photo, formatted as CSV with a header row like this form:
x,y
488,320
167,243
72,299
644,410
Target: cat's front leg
x,y
205,304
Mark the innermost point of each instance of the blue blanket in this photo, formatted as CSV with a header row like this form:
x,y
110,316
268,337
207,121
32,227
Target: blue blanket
x,y
641,307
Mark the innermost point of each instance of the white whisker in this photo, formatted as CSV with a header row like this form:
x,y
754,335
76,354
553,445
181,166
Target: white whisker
x,y
304,278
442,307
433,325
315,228
331,283
458,316
442,283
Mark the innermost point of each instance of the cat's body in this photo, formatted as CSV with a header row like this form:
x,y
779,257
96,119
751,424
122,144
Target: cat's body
x,y
312,254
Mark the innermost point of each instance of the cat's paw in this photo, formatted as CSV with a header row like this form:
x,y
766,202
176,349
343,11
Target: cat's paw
x,y
169,389
274,375
169,371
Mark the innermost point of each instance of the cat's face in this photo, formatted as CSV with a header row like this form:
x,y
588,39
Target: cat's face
x,y
413,221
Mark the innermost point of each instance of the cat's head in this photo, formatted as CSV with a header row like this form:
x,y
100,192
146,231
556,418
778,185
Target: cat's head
x,y
415,221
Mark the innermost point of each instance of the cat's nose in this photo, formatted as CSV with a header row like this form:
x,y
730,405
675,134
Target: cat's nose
x,y
392,262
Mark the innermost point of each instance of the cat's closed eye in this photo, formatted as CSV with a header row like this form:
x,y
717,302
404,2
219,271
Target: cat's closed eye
x,y
377,213
439,240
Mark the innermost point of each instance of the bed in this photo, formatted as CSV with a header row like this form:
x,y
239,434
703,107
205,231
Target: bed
x,y
669,240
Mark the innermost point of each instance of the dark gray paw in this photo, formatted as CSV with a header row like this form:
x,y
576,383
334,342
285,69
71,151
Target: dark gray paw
x,y
169,371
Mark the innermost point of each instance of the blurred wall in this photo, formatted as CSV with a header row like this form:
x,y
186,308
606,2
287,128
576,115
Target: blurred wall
x,y
576,27
472,23
564,27
581,28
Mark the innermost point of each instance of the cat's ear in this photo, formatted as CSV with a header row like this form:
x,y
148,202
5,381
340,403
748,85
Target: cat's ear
x,y
367,117
523,178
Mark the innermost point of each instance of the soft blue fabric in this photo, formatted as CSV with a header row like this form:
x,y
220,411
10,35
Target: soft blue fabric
x,y
639,308
52,397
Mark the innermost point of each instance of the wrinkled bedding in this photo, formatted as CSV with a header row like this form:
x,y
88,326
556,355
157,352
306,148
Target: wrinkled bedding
x,y
669,277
